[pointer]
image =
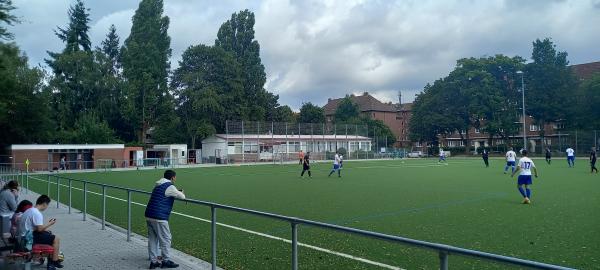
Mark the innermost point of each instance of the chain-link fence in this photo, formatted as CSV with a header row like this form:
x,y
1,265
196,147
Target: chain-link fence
x,y
250,142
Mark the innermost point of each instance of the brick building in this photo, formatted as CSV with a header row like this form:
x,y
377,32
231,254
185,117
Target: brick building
x,y
44,157
395,116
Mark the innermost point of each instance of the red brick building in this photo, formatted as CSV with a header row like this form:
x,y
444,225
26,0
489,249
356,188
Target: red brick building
x,y
395,116
43,157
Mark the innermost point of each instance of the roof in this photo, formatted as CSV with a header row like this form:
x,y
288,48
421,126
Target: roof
x,y
365,102
267,137
586,71
406,107
65,146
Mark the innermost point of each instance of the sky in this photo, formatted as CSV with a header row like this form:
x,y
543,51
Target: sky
x,y
313,50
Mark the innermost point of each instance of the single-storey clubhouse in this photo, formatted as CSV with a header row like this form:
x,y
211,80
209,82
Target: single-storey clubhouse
x,y
221,148
44,157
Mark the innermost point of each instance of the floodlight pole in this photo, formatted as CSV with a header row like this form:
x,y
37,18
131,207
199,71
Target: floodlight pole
x,y
523,102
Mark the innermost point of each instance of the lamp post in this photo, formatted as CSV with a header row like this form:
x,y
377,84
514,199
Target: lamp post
x,y
524,118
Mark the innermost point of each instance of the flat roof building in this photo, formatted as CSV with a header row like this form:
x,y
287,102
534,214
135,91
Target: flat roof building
x,y
45,157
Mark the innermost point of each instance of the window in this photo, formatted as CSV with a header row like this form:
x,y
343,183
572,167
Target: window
x,y
499,142
534,128
477,130
548,141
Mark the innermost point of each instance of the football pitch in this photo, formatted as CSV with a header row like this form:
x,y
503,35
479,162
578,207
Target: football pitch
x,y
460,203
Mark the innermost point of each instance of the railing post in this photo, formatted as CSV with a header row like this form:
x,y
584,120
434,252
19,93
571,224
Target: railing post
x,y
103,207
294,246
27,182
57,192
48,179
128,215
213,237
443,260
84,200
70,193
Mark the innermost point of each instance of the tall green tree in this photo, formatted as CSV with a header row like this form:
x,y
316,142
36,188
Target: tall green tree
x,y
23,101
237,37
549,83
76,74
6,17
310,113
208,83
588,109
145,58
112,87
346,110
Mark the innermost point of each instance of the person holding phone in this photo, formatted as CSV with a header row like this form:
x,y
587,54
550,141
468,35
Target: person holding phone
x,y
33,221
9,196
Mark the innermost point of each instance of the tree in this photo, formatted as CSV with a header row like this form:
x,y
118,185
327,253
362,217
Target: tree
x,y
207,83
309,113
549,82
75,36
112,86
23,103
145,57
237,37
5,17
588,114
346,110
89,128
75,84
283,114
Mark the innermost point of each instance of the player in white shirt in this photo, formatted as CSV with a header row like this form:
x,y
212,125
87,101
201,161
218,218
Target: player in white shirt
x,y
337,165
570,157
525,167
511,158
442,155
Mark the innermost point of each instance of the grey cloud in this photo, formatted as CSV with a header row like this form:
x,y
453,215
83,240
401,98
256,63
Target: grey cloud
x,y
313,49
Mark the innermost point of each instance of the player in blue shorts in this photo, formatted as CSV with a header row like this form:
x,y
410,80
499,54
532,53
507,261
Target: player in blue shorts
x,y
442,156
525,166
511,157
337,165
570,157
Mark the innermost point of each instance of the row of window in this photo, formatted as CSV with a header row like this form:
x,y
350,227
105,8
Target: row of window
x,y
292,147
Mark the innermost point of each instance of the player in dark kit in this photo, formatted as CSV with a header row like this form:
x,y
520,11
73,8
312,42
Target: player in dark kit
x,y
485,155
548,156
306,165
593,160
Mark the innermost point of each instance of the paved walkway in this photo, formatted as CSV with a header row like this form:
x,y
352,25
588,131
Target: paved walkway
x,y
87,246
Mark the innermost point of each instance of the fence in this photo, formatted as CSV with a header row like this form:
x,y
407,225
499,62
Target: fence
x,y
248,141
444,251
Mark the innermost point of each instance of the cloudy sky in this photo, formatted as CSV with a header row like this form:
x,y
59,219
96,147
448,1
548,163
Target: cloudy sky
x,y
316,49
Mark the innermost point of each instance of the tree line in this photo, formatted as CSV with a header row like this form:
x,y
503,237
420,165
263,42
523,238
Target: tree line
x,y
111,93
484,93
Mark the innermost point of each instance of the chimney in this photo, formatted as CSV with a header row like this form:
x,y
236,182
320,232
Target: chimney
x,y
365,93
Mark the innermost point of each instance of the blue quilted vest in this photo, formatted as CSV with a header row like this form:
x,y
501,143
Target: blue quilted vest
x,y
160,206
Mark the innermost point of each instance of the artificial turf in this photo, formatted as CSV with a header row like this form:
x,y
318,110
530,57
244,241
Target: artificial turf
x,y
462,204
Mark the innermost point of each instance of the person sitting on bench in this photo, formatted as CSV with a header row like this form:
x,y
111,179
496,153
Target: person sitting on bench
x,y
23,206
33,221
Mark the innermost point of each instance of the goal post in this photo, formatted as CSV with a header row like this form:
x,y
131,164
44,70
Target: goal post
x,y
103,165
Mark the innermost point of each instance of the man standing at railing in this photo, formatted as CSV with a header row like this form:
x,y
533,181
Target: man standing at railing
x,y
157,219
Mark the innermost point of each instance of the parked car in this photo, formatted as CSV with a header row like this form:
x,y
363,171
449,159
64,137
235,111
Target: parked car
x,y
415,154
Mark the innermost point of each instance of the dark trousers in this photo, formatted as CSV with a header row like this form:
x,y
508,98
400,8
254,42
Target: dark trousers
x,y
305,168
593,164
487,163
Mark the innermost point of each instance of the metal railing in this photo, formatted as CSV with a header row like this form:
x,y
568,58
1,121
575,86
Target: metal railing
x,y
444,251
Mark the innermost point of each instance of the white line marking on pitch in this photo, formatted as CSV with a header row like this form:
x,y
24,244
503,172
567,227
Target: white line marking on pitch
x,y
348,256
